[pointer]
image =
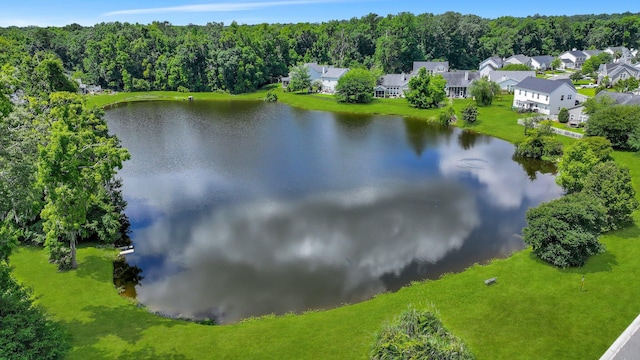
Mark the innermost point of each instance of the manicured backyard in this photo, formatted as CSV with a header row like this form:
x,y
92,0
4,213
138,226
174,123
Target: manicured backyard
x,y
533,311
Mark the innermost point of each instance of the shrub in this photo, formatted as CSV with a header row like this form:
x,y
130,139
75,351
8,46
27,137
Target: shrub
x,y
418,335
539,143
271,96
183,89
25,332
563,116
447,115
565,231
470,114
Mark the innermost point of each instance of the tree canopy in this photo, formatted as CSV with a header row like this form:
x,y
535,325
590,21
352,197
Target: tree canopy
x,y
484,90
426,91
356,86
579,159
617,123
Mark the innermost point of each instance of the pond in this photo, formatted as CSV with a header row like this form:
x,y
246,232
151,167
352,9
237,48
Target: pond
x,y
242,209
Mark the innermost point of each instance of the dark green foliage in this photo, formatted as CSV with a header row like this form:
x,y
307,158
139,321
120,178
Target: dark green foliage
x,y
578,160
575,76
356,87
271,96
484,90
612,186
470,114
591,65
426,91
418,335
564,232
516,67
539,143
617,123
563,116
25,332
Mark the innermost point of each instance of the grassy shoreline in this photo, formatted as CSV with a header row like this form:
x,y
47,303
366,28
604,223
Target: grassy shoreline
x,y
534,310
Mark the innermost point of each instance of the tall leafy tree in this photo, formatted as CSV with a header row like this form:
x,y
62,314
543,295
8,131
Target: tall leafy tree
x,y
579,159
484,91
426,91
75,165
612,186
356,86
565,231
300,78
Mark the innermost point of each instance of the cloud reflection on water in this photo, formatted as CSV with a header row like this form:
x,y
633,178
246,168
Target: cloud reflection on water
x,y
336,246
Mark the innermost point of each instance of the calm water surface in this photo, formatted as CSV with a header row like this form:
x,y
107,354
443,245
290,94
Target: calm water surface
x,y
243,209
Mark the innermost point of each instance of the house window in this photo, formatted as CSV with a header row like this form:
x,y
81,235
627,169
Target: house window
x,y
520,92
547,99
525,93
561,97
569,97
538,96
572,116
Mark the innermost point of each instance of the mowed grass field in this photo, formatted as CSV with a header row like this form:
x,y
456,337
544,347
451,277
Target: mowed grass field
x,y
534,311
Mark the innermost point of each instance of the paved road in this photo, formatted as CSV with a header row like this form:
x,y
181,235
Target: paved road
x,y
627,346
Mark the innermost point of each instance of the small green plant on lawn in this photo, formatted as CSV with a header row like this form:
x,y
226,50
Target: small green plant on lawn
x,y
563,116
470,114
418,335
271,96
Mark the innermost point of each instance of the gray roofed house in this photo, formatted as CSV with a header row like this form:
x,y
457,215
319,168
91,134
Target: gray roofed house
x,y
625,54
509,79
542,62
518,59
621,98
573,59
591,53
433,67
330,79
616,72
544,96
392,85
459,81
490,64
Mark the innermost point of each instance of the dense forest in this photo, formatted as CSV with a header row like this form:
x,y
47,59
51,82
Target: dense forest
x,y
241,58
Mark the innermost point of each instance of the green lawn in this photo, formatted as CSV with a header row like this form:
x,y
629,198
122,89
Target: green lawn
x,y
533,311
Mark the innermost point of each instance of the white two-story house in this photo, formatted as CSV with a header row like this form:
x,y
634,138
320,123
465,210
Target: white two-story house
x,y
573,59
330,79
544,96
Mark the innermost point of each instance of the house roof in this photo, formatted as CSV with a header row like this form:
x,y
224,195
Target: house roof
x,y
500,75
621,98
429,65
495,59
591,52
622,68
542,85
317,67
543,59
576,53
334,73
394,80
460,78
522,59
567,61
613,49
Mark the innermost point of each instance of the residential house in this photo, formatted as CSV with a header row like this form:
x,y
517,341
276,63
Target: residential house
x,y
591,53
330,79
458,82
433,67
541,63
577,115
544,96
573,59
509,79
315,73
490,64
392,85
518,59
616,72
620,54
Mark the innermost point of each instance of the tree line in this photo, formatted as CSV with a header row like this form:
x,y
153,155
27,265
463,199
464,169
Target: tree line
x,y
241,58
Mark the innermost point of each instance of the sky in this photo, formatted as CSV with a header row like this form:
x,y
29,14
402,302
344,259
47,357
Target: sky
x,y
183,12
